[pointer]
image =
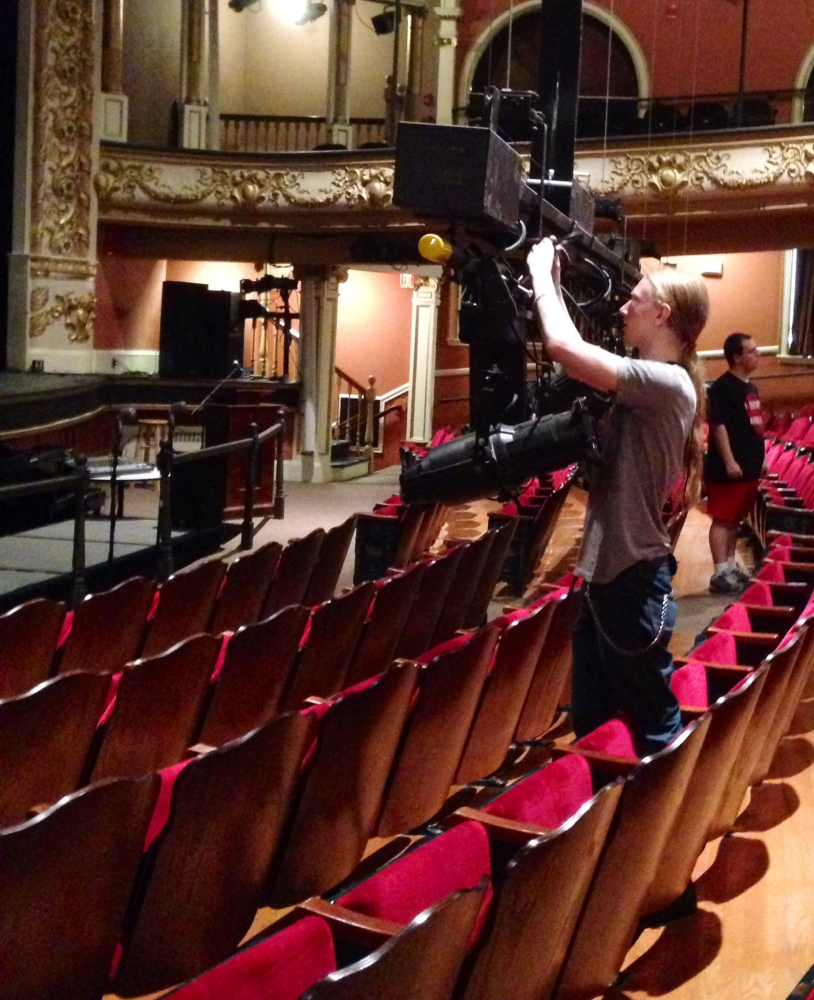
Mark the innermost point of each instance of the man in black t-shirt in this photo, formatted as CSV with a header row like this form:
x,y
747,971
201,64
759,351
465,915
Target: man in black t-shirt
x,y
734,460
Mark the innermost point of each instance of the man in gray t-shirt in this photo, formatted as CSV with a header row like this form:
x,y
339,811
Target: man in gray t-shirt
x,y
621,662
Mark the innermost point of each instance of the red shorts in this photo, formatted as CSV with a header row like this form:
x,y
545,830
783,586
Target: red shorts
x,y
730,502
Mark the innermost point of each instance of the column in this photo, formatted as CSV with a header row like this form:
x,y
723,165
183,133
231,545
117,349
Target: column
x,y
194,113
415,62
52,265
319,296
113,103
426,299
448,13
339,46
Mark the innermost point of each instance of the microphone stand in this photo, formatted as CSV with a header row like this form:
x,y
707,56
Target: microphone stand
x,y
236,367
127,416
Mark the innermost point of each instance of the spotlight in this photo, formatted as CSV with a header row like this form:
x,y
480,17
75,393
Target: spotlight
x,y
466,469
311,12
384,23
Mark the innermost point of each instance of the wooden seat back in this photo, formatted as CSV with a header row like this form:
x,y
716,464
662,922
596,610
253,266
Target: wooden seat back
x,y
504,694
382,629
730,717
185,606
462,588
210,863
539,901
65,878
416,636
551,678
107,628
423,960
335,629
256,669
435,734
325,576
28,640
289,583
157,710
247,581
490,573
45,739
650,800
342,789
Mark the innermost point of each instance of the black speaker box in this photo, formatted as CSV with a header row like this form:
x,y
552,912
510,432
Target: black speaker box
x,y
457,171
198,494
201,333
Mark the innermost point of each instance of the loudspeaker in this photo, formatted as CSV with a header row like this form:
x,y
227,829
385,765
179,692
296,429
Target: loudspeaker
x,y
198,494
201,331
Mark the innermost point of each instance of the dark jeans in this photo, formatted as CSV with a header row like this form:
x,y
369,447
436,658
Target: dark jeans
x,y
608,680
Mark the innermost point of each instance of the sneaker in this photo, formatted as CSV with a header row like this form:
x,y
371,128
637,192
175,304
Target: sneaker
x,y
725,583
742,575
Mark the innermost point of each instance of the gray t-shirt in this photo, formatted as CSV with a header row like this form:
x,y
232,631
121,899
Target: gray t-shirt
x,y
642,459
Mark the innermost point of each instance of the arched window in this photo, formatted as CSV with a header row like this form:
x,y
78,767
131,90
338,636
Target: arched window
x,y
607,70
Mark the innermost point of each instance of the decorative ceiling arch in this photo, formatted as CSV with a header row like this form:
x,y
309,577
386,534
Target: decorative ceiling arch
x,y
501,21
801,83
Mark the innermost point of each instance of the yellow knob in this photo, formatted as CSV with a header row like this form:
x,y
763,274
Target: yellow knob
x,y
434,248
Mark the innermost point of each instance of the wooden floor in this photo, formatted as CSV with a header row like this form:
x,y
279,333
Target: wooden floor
x,y
752,937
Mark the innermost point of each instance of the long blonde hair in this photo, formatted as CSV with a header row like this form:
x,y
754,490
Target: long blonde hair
x,y
687,297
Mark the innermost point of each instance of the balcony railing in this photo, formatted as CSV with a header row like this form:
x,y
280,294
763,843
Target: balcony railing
x,y
666,116
290,133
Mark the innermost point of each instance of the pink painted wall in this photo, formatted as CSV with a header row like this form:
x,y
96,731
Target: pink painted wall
x,y
693,46
373,329
128,303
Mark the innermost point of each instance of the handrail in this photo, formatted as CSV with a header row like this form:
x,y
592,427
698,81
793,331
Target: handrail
x,y
349,379
79,481
168,460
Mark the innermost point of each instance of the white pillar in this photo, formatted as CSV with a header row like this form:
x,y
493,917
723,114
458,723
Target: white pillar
x,y
113,103
52,265
319,296
339,50
194,113
426,299
448,13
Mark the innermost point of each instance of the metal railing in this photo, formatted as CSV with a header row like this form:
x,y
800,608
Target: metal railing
x,y
168,461
289,133
630,116
78,482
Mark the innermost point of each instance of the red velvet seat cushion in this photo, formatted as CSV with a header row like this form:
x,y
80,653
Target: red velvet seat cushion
x,y
612,737
720,648
549,797
689,685
457,859
735,619
281,967
758,593
779,553
783,540
772,572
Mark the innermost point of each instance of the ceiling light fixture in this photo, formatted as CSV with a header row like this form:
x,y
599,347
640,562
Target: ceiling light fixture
x,y
311,12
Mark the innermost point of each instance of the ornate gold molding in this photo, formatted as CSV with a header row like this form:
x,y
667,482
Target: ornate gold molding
x,y
78,312
685,171
70,270
63,128
239,191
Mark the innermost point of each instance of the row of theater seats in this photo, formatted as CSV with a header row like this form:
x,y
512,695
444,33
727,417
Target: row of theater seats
x,y
275,816
89,725
40,639
537,890
785,500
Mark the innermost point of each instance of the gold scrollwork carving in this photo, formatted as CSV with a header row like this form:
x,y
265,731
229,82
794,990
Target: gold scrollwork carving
x,y
247,191
672,172
78,312
63,128
71,270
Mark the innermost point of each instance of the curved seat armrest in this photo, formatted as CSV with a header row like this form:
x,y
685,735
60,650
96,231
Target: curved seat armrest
x,y
357,928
